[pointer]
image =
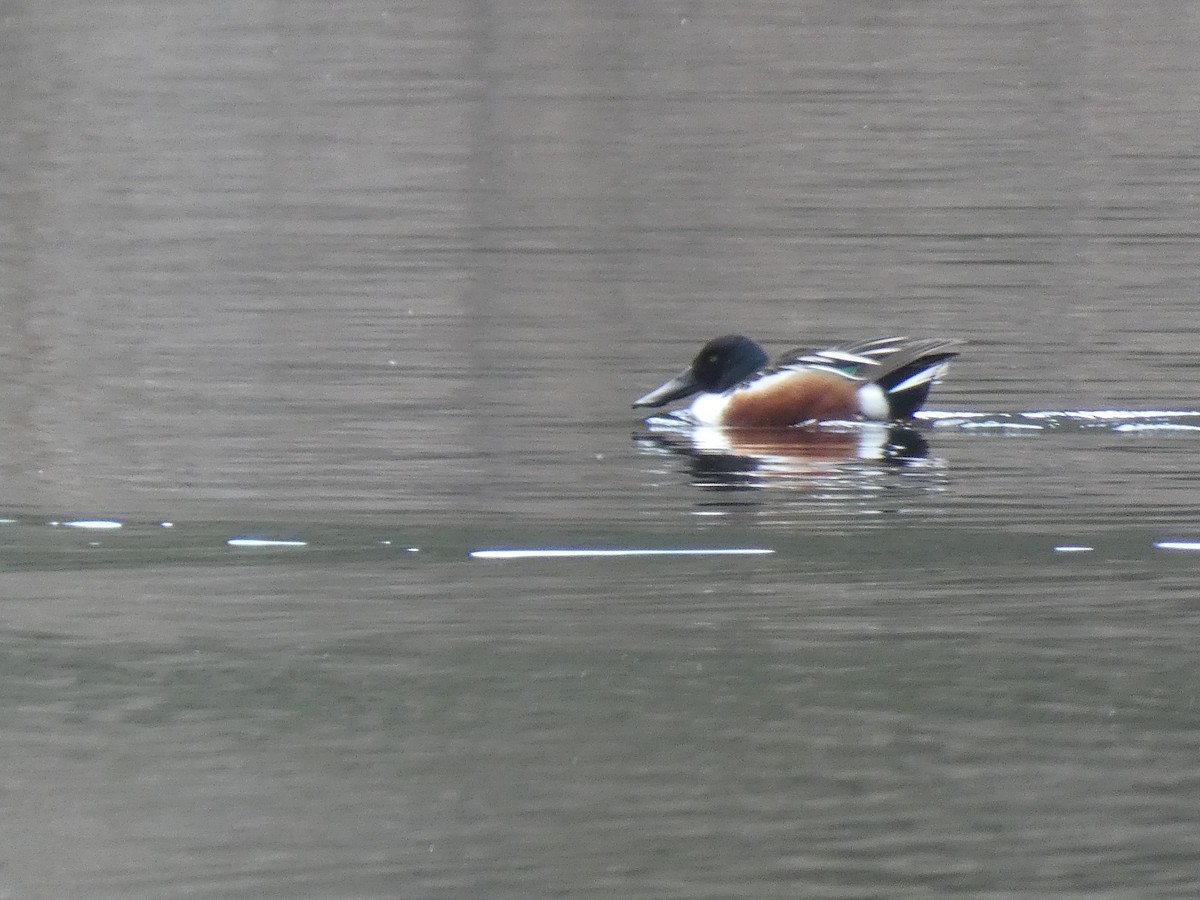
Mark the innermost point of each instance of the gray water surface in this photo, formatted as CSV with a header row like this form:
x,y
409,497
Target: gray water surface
x,y
380,281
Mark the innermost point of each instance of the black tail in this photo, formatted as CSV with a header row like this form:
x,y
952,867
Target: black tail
x,y
908,375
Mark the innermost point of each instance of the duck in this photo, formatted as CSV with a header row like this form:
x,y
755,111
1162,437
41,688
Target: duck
x,y
736,385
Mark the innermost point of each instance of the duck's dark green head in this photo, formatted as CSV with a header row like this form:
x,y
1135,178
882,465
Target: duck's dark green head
x,y
722,363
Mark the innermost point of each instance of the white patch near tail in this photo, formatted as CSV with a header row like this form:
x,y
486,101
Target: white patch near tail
x,y
873,403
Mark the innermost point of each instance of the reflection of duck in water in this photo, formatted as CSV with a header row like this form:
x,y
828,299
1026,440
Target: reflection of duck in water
x,y
740,457
881,381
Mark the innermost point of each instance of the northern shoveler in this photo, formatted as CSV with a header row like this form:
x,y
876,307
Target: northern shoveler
x,y
882,380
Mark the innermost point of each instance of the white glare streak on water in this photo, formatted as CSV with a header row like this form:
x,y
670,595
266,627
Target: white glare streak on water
x,y
264,542
584,553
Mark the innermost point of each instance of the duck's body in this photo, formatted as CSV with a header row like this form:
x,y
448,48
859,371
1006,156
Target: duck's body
x,y
882,380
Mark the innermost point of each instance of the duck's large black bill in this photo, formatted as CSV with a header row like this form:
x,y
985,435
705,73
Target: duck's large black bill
x,y
682,385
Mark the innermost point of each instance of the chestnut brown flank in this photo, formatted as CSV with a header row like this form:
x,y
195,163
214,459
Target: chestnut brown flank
x,y
804,397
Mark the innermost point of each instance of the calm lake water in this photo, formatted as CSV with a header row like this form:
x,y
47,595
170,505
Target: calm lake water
x,y
376,283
